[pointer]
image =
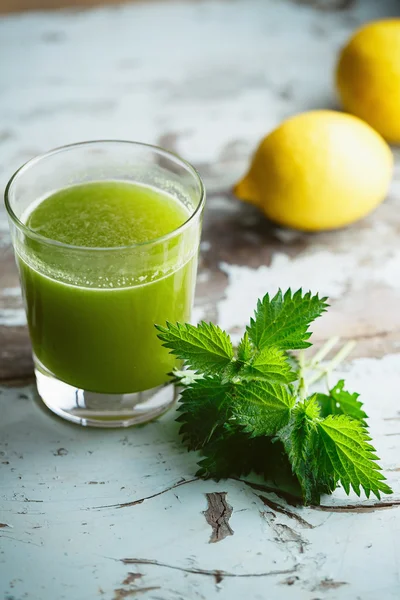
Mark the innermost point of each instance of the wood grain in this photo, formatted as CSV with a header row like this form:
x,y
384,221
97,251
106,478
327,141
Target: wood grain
x,y
116,504
108,514
7,6
213,115
217,516
10,6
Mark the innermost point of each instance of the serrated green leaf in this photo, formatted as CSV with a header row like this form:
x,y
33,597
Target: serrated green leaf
x,y
240,411
228,454
293,362
203,407
245,350
283,321
326,404
269,364
349,455
261,408
230,373
300,441
205,348
234,453
341,402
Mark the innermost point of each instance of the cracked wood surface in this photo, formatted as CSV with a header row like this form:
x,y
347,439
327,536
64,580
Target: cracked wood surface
x,y
99,73
63,514
217,516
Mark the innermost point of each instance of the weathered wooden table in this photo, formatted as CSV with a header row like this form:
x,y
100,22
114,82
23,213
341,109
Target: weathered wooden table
x,y
90,514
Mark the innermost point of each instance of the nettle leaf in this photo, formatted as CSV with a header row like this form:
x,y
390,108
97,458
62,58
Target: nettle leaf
x,y
204,348
341,402
300,440
283,321
293,362
204,408
240,410
300,429
234,454
349,456
268,364
245,349
228,454
261,408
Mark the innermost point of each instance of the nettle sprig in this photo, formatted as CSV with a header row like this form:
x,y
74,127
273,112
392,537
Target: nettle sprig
x,y
248,409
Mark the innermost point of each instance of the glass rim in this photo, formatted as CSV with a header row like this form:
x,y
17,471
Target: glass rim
x,y
43,239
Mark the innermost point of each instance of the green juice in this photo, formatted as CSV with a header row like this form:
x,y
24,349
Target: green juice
x,y
91,318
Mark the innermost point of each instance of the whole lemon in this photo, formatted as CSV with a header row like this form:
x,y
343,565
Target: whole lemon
x,y
368,76
318,170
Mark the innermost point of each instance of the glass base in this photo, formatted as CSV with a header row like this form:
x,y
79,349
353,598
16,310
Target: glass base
x,y
91,409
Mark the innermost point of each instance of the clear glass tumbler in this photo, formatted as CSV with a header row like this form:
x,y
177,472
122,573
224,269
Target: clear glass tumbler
x,y
91,311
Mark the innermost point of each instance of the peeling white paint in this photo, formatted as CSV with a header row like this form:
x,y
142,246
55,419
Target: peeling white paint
x,y
46,496
329,273
205,246
12,317
211,102
198,314
203,277
222,203
3,221
324,272
4,234
387,273
14,292
288,236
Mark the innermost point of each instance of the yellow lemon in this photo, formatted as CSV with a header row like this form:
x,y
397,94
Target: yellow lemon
x,y
368,76
318,170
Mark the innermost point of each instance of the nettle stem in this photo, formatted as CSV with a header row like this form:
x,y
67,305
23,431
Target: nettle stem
x,y
321,371
302,381
324,351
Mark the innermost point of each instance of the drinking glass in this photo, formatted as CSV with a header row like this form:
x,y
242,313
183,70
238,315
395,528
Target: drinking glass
x,y
91,311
